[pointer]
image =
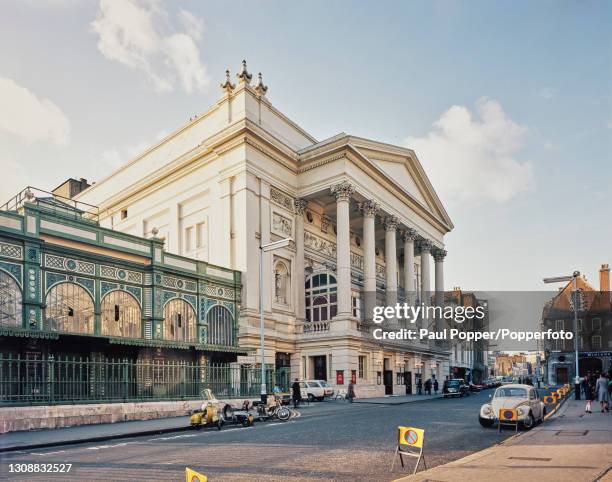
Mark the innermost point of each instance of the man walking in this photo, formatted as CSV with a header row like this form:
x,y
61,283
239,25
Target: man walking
x,y
602,392
296,393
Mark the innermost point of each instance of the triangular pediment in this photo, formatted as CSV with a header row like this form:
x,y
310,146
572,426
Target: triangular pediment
x,y
398,171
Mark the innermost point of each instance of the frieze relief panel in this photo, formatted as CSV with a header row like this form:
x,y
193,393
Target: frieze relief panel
x,y
281,199
178,283
281,225
320,245
120,274
220,292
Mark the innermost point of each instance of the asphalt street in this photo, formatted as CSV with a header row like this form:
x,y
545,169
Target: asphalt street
x,y
331,440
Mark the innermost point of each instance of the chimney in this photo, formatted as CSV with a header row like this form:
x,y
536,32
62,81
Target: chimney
x,y
604,278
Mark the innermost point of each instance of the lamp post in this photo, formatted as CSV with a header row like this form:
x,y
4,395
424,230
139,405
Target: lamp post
x,y
265,248
565,279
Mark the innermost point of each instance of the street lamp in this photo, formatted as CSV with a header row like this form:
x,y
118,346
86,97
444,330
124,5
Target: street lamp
x,y
565,279
265,248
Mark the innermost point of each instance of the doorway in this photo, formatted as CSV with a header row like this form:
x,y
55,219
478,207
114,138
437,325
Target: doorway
x,y
593,365
562,377
408,382
320,367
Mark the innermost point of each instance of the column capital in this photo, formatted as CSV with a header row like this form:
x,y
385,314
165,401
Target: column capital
x,y
369,209
425,245
409,234
343,191
439,255
390,223
300,206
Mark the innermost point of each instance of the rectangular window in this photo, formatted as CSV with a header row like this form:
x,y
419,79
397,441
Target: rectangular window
x,y
579,326
116,312
596,342
188,239
362,366
179,320
124,214
199,235
596,324
70,311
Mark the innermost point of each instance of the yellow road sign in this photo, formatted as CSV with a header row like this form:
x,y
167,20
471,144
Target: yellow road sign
x,y
508,414
549,400
411,436
193,476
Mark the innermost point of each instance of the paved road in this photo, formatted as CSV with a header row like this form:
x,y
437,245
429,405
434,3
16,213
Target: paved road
x,y
330,440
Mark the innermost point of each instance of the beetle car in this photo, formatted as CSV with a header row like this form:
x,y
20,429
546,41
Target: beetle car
x,y
524,398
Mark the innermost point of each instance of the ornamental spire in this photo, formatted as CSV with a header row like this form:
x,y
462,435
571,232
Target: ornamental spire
x,y
260,88
244,75
227,86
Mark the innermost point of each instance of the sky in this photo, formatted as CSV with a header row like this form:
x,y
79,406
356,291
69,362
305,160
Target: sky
x,y
508,105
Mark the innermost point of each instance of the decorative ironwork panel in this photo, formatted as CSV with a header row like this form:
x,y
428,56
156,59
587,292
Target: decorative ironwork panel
x,y
69,308
220,326
179,321
121,315
10,302
13,269
11,251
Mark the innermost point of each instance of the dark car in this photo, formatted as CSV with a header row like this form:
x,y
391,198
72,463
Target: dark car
x,y
455,388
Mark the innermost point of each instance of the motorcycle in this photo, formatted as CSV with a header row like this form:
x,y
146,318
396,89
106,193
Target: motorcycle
x,y
274,409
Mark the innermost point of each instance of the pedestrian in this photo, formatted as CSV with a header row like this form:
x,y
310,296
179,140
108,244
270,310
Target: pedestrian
x,y
419,386
436,386
428,387
296,393
585,383
602,392
588,394
350,393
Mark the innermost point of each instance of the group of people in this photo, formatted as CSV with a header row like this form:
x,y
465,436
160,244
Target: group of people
x,y
430,383
597,386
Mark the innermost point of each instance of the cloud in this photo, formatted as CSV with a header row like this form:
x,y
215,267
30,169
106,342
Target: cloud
x,y
548,92
14,179
472,160
142,36
30,118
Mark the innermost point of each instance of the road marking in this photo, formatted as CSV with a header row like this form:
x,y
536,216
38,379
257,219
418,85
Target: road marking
x,y
47,453
175,437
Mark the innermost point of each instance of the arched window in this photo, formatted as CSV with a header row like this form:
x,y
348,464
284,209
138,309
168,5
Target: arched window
x,y
69,308
121,315
179,321
321,297
281,283
220,326
10,301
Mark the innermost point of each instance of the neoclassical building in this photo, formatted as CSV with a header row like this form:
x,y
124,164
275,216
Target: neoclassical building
x,y
367,225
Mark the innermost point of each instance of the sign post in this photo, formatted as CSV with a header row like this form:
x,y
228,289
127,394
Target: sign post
x,y
410,437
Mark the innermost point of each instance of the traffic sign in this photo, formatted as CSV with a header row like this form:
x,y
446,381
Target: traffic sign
x,y
508,414
409,437
193,476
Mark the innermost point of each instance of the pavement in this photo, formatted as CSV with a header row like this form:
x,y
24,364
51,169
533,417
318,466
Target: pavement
x,y
570,446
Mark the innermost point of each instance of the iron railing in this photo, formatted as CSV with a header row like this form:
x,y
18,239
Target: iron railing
x,y
59,380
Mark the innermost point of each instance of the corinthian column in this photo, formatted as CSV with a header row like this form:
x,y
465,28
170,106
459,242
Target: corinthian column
x,y
425,247
390,223
408,236
369,210
439,255
343,193
300,208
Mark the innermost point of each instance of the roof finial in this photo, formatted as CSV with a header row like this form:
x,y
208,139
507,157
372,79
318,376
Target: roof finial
x,y
244,75
260,88
227,85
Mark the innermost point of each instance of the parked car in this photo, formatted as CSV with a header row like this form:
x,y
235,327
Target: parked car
x,y
475,387
315,390
455,388
524,398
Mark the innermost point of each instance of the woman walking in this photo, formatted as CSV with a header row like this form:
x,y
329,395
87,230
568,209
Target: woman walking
x,y
602,392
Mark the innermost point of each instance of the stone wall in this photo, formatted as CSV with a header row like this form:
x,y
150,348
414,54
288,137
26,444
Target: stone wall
x,y
14,419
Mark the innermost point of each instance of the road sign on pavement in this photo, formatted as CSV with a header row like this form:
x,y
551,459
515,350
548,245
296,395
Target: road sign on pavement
x,y
193,476
409,437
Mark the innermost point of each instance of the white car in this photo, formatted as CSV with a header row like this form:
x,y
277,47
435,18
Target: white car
x,y
524,398
315,390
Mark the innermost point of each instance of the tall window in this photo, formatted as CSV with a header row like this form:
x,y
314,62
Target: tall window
x,y
356,302
121,315
69,308
179,321
321,297
220,326
10,301
362,366
281,283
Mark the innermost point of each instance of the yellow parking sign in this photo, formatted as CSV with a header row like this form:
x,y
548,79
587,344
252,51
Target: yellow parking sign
x,y
193,476
411,436
508,414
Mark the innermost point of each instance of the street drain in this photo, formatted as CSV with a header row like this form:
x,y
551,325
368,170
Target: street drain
x,y
533,459
572,433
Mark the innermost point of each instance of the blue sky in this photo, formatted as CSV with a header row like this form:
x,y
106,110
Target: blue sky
x,y
514,95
